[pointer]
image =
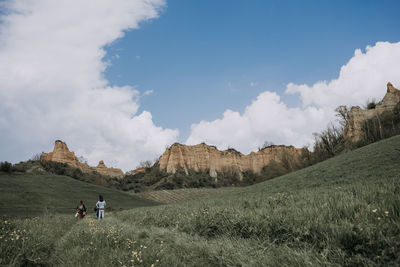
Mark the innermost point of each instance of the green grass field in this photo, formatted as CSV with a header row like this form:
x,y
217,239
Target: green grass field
x,y
184,194
341,212
34,194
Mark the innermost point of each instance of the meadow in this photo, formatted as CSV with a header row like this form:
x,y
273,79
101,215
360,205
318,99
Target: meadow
x,y
25,194
183,194
341,212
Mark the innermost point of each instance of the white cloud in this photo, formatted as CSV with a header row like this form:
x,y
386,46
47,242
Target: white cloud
x,y
52,84
363,77
267,118
148,92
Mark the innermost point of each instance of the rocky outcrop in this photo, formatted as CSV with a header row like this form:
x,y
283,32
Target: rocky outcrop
x,y
112,172
207,158
136,171
62,154
353,130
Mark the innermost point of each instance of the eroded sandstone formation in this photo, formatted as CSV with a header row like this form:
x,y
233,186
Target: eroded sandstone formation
x,y
207,158
112,172
353,129
62,154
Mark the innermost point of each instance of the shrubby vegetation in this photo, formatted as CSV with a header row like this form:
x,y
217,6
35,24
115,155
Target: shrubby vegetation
x,y
6,167
371,104
93,177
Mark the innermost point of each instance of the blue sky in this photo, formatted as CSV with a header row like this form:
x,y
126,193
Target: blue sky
x,y
203,57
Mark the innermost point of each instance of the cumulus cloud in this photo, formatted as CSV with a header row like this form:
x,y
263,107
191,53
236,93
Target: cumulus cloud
x,y
52,84
363,77
267,118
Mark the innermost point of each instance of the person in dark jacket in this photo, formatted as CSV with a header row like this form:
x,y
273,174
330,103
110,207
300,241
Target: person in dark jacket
x,y
80,210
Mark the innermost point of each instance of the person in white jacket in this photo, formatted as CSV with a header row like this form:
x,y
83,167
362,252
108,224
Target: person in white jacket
x,y
100,205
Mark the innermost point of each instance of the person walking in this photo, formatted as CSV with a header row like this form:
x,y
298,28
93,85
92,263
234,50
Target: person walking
x,y
80,210
100,205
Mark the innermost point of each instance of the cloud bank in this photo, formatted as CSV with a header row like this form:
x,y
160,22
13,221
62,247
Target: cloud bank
x,y
267,118
52,84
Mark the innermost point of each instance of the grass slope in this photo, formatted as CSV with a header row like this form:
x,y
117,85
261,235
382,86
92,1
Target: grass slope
x,y
342,212
184,194
30,194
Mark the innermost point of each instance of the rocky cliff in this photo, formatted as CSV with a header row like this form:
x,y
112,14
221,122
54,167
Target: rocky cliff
x,y
353,129
207,158
62,154
112,172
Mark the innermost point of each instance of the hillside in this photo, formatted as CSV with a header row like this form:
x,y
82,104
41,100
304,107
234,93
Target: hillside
x,y
32,194
344,211
185,194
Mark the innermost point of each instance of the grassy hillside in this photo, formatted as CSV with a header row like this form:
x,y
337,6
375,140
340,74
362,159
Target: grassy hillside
x,y
34,194
185,194
342,212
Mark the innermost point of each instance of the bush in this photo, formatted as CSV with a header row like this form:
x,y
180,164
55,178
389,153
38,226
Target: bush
x,y
328,143
370,104
230,175
92,177
6,167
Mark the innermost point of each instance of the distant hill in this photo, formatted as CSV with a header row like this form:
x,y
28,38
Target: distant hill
x,y
33,194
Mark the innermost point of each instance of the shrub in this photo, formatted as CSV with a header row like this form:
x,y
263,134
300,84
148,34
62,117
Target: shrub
x,y
266,145
328,143
230,175
273,169
6,167
371,104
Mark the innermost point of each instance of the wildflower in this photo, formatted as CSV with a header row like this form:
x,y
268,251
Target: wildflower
x,y
379,218
374,210
157,260
387,213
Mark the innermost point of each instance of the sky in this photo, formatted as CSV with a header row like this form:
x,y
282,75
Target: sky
x,y
121,80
